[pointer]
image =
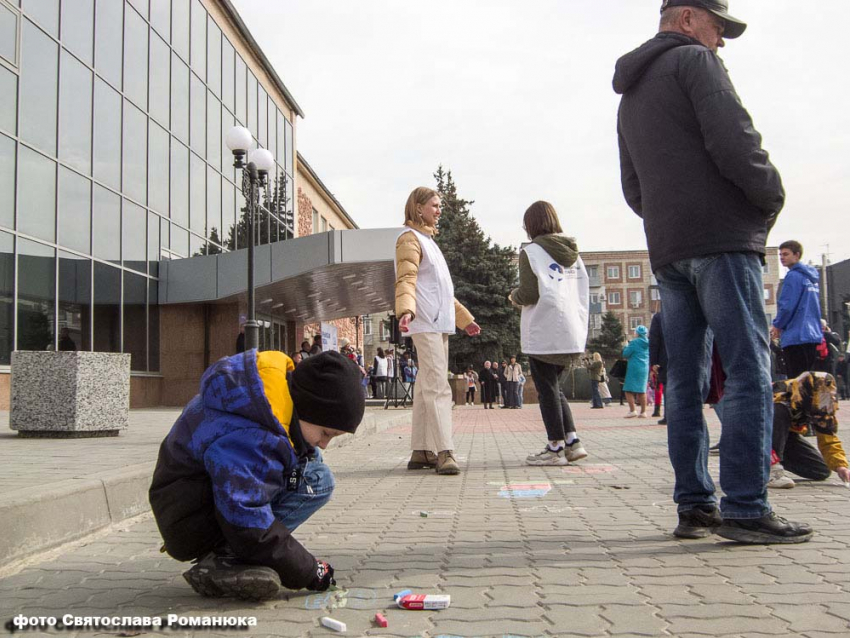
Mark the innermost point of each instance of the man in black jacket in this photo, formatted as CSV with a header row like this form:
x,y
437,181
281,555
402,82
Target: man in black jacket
x,y
692,167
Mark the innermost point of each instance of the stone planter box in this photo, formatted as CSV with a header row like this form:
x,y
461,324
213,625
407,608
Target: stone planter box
x,y
69,394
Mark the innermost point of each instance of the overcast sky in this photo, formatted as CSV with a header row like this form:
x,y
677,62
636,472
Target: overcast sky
x,y
515,98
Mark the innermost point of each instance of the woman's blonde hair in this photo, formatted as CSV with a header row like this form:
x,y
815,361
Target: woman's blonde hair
x,y
597,356
419,197
541,219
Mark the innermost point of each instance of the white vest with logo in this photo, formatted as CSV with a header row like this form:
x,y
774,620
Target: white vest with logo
x,y
557,323
435,293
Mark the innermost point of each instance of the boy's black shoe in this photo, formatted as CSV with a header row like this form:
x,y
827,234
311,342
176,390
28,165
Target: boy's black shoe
x,y
699,522
765,530
217,576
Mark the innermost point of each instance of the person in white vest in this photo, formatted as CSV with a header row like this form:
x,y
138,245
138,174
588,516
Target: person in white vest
x,y
429,313
554,295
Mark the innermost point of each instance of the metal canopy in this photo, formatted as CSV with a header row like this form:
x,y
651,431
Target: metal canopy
x,y
341,273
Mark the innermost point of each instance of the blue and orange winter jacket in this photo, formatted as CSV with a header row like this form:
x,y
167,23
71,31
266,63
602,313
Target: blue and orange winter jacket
x,y
236,446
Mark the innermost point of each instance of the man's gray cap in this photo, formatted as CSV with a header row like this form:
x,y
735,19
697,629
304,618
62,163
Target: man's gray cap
x,y
720,8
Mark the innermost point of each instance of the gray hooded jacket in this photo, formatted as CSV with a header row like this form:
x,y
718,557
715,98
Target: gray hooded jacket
x,y
691,163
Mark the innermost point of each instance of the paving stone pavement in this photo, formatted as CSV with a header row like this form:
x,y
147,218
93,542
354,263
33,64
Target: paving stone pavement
x,y
584,550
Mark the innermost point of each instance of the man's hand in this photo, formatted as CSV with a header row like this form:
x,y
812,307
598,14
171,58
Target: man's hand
x,y
473,329
775,333
324,577
404,323
843,474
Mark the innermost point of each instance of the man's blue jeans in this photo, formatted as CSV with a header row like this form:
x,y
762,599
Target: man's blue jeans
x,y
317,485
723,292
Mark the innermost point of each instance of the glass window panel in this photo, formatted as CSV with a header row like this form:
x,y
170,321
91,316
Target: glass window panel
x,y
135,321
213,130
161,17
179,99
288,155
228,72
196,245
39,79
214,57
280,153
165,233
228,214
75,114
252,104
160,80
106,225
7,182
225,160
109,22
199,38
36,295
197,194
136,59
135,152
272,146
7,300
107,134
180,185
262,118
107,308
133,235
78,28
8,34
74,303
213,229
36,194
8,100
241,227
180,27
153,244
45,12
153,327
141,6
198,115
241,91
159,156
74,211
179,241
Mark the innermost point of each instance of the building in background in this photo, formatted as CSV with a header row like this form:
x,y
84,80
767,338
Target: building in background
x,y
622,282
121,215
838,299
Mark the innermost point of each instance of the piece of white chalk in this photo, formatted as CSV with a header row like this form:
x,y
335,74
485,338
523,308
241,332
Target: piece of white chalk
x,y
336,625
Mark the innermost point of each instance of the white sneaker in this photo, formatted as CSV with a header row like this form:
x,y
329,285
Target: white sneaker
x,y
548,457
778,480
575,451
631,415
642,415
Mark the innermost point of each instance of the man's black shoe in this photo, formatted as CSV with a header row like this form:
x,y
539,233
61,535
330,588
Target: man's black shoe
x,y
699,522
218,576
663,421
765,530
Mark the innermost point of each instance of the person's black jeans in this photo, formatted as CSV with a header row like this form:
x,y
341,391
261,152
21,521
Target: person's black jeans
x,y
794,451
510,394
800,358
596,398
470,394
554,408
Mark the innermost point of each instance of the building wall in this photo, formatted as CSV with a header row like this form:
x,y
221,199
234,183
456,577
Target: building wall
x,y
838,292
5,390
327,212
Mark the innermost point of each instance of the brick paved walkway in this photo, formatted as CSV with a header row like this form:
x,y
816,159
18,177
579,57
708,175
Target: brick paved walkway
x,y
584,550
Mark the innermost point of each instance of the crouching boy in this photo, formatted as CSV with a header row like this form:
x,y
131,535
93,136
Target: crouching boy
x,y
239,471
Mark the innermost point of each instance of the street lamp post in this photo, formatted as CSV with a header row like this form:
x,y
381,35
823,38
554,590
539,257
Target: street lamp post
x,y
254,178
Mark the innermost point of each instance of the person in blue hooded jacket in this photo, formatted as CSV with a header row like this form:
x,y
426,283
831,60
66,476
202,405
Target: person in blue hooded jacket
x,y
637,373
240,471
797,324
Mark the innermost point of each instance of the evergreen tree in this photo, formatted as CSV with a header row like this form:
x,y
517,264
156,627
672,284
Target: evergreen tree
x,y
609,343
483,276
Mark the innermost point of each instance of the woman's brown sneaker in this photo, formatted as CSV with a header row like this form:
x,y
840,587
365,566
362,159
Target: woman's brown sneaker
x,y
422,460
446,463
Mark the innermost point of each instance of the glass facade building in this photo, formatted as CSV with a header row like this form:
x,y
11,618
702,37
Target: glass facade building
x,y
112,120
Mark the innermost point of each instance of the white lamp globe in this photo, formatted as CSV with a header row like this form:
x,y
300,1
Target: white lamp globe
x,y
263,160
238,139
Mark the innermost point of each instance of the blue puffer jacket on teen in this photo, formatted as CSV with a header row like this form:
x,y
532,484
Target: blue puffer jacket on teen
x,y
798,316
236,446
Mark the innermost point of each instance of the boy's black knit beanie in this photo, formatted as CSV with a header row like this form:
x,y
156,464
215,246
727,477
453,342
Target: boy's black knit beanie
x,y
327,390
